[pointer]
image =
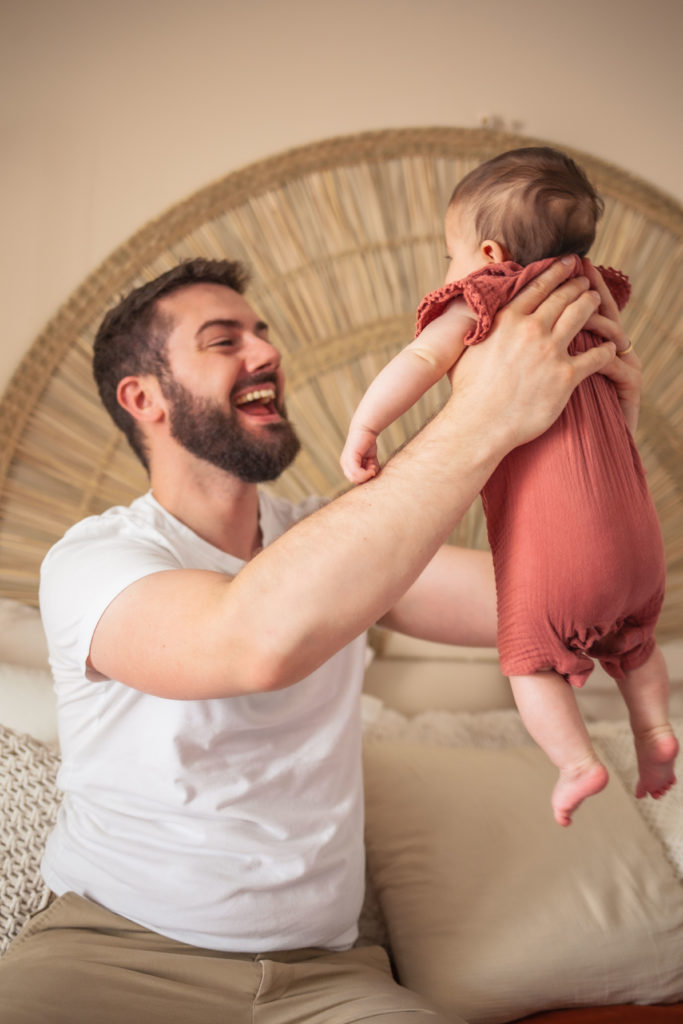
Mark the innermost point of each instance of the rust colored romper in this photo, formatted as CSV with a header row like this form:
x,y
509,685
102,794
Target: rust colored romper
x,y
577,547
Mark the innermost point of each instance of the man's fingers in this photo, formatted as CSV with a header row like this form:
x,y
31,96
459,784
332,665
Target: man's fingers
x,y
556,301
598,283
603,326
626,375
533,295
593,361
610,330
569,311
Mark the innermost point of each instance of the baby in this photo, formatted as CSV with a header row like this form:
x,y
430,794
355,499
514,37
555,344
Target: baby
x,y
577,547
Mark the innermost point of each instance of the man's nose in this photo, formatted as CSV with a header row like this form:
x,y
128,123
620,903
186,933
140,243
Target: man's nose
x,y
260,354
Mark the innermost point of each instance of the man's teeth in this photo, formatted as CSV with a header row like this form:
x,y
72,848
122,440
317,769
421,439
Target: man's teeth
x,y
259,395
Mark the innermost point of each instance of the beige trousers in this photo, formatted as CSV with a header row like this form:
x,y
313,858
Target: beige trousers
x,y
77,963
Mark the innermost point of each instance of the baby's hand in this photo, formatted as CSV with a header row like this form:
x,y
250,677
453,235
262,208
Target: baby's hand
x,y
359,455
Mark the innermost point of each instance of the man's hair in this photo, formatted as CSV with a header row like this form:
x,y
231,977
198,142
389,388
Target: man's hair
x,y
536,202
132,337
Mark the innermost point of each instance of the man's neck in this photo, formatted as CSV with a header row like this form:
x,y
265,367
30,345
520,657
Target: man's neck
x,y
218,507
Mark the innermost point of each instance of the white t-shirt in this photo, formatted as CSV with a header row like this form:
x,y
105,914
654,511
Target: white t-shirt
x,y
231,824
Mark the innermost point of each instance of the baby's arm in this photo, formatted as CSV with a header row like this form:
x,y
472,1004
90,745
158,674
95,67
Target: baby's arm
x,y
399,385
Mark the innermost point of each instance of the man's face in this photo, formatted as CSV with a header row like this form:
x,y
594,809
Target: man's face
x,y
225,384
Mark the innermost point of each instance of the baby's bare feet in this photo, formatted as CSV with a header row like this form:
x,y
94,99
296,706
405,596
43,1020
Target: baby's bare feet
x,y
656,750
576,782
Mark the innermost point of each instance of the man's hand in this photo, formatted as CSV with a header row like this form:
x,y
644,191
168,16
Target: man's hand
x,y
624,371
523,375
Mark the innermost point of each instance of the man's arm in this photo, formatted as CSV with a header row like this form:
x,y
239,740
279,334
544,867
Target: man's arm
x,y
453,600
191,634
625,372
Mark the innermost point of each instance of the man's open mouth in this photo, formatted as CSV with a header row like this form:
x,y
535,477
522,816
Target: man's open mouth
x,y
258,401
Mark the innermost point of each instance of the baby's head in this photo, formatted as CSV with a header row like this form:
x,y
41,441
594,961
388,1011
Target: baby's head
x,y
525,205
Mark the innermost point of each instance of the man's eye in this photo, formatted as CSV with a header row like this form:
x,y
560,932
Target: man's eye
x,y
220,342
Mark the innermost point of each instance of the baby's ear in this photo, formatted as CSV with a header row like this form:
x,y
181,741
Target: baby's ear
x,y
494,252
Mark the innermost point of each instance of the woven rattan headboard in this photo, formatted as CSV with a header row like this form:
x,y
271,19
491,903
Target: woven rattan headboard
x,y
344,237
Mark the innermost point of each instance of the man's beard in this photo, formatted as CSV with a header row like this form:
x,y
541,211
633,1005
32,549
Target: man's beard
x,y
209,432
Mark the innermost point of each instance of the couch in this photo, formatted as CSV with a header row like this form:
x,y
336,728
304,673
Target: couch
x,y
483,902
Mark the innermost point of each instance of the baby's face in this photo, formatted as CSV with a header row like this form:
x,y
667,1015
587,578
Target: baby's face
x,y
462,245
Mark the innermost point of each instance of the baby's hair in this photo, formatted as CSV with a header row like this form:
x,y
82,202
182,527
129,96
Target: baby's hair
x,y
536,202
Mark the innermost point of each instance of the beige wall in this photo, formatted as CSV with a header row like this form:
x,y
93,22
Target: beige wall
x,y
113,111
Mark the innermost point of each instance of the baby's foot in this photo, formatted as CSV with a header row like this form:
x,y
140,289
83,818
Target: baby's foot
x,y
575,783
656,750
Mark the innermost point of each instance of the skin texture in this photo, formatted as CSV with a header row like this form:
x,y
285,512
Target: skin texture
x,y
334,574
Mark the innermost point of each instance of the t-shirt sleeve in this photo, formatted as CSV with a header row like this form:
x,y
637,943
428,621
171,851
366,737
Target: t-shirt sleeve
x,y
82,574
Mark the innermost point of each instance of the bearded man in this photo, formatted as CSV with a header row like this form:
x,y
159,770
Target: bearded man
x,y
207,645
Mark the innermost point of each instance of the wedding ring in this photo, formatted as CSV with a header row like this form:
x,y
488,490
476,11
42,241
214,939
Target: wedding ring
x,y
625,350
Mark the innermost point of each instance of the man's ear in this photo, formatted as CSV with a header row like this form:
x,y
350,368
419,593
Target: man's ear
x,y
494,252
141,397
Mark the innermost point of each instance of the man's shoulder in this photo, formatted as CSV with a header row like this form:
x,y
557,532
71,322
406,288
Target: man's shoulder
x,y
119,531
142,513
95,559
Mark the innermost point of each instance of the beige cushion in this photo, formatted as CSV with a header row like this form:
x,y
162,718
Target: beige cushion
x,y
412,675
22,640
398,645
411,686
495,911
27,702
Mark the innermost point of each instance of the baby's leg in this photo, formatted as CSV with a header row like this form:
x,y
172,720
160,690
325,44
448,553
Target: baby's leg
x,y
646,693
549,711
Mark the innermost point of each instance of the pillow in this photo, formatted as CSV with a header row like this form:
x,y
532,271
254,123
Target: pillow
x,y
410,686
411,675
28,809
22,640
398,645
494,911
27,702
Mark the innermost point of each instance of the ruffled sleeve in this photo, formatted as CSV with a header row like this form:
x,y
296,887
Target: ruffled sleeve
x,y
618,284
489,289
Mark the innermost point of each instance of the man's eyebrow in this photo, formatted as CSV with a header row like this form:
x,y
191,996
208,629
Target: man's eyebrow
x,y
228,324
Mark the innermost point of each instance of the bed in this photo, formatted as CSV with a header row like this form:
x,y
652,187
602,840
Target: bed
x,y
484,903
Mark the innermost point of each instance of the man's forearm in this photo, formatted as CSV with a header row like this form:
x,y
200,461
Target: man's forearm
x,y
345,566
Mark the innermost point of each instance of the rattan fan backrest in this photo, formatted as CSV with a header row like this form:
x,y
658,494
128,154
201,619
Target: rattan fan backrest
x,y
344,237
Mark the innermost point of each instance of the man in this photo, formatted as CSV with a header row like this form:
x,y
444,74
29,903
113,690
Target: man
x,y
207,648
